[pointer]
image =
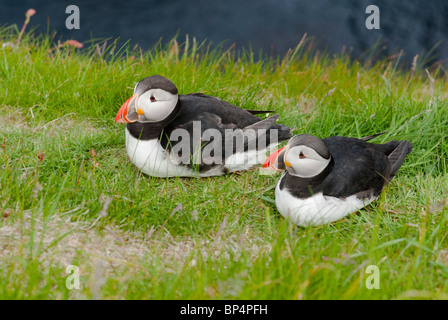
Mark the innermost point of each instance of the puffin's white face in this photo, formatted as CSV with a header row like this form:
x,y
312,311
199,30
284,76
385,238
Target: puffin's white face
x,y
155,105
154,99
304,162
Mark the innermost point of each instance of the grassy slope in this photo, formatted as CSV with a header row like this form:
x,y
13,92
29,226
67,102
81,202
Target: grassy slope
x,y
217,237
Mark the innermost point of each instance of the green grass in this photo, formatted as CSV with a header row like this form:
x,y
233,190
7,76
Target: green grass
x,y
220,237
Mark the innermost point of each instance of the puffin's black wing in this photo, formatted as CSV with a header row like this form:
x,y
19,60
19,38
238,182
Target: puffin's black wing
x,y
359,167
210,142
200,112
195,103
231,116
192,153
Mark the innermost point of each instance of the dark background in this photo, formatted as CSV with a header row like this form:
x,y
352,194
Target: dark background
x,y
415,26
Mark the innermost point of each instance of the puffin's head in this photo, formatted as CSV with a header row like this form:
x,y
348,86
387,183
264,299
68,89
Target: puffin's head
x,y
154,99
304,156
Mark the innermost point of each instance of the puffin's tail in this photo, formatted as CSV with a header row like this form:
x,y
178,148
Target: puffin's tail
x,y
255,112
284,132
397,156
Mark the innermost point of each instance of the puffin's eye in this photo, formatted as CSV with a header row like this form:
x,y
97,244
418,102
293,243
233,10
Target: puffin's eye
x,y
152,99
302,156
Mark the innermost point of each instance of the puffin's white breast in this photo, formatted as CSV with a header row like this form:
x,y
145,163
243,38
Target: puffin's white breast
x,y
152,159
317,209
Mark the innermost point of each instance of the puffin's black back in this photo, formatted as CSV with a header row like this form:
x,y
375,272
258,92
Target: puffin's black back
x,y
196,104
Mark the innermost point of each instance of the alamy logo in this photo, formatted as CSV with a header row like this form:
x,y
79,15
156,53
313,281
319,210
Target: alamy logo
x,y
373,281
72,281
212,146
373,21
72,21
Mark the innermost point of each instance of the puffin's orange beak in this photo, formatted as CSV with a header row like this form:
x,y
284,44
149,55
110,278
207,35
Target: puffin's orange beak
x,y
270,161
128,111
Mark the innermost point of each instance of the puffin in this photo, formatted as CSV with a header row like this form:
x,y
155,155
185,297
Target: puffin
x,y
194,135
324,180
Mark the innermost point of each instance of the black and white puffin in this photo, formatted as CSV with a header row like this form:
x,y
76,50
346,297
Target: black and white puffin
x,y
327,179
156,112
